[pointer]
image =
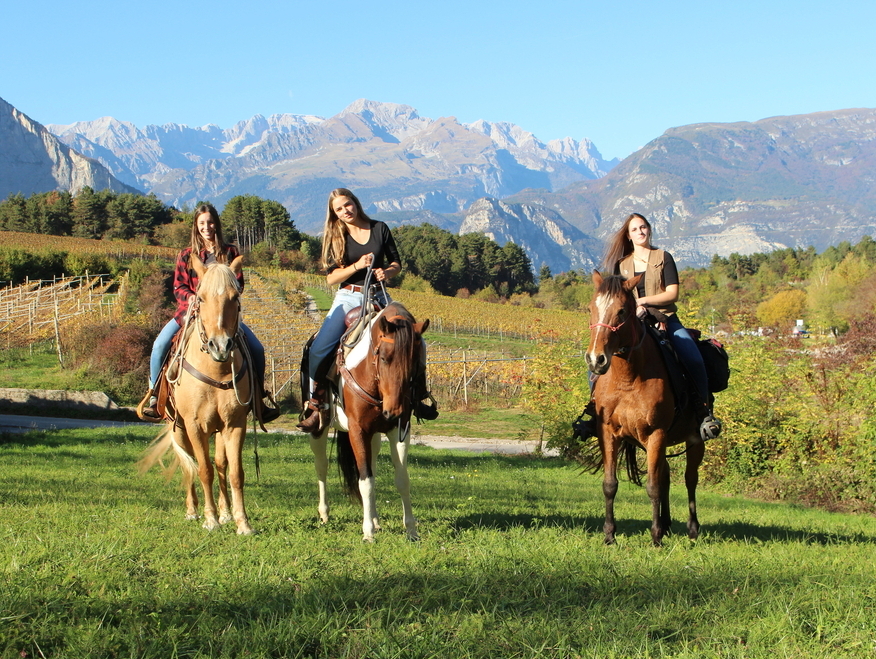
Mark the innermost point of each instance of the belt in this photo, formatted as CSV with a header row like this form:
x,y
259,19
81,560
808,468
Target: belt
x,y
353,287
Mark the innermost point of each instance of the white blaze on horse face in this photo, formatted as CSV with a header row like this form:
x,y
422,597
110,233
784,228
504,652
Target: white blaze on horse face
x,y
602,303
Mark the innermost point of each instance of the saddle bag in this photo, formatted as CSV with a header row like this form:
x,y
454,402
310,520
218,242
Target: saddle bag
x,y
717,363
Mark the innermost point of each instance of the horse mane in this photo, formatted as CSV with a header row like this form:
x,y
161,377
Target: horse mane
x,y
217,279
404,335
612,285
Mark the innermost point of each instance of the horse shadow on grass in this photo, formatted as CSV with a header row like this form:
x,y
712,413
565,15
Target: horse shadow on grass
x,y
715,533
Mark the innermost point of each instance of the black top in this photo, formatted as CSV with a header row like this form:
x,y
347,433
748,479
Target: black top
x,y
380,243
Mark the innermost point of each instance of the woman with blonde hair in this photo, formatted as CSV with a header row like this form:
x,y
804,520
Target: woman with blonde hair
x,y
351,242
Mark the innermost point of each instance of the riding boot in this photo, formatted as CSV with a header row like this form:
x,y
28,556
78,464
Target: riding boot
x,y
710,427
270,409
312,421
150,411
585,428
422,410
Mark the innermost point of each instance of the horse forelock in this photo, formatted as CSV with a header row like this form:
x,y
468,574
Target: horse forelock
x,y
217,280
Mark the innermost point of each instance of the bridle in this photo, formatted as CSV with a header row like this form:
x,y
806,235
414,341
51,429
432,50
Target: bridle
x,y
638,328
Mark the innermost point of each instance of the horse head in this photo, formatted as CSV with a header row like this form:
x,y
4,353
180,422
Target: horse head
x,y
613,323
397,346
218,306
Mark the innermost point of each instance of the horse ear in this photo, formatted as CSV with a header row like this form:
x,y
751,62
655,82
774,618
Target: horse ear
x,y
420,328
384,325
597,278
630,284
237,265
198,265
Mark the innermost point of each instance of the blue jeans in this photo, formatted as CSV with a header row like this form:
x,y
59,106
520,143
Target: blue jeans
x,y
334,326
689,353
161,347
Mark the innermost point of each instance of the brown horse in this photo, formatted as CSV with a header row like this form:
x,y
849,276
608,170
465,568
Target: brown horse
x,y
635,406
212,395
376,383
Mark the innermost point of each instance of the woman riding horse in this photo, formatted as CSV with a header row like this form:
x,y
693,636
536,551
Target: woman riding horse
x,y
630,254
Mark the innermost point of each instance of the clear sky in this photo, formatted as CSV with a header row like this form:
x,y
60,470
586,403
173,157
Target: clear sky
x,y
618,73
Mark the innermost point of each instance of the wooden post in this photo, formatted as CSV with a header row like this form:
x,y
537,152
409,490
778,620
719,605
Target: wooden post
x,y
58,337
464,379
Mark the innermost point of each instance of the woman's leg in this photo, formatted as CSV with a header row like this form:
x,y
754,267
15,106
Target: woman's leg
x,y
160,348
333,327
689,352
256,351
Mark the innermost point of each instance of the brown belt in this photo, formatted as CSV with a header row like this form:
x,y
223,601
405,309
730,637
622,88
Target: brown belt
x,y
353,287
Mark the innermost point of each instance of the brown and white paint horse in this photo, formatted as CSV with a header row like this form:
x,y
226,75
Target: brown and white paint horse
x,y
212,395
635,406
376,382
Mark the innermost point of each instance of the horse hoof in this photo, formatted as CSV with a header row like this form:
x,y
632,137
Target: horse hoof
x,y
191,516
245,530
224,519
211,525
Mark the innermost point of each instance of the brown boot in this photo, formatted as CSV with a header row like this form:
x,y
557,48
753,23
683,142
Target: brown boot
x,y
313,413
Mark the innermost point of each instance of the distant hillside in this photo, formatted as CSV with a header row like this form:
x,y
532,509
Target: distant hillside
x,y
741,187
33,160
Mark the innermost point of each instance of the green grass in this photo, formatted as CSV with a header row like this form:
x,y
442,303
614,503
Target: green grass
x,y
487,423
97,562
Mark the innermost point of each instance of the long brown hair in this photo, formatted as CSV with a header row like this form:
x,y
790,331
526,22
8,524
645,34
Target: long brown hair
x,y
334,233
620,245
198,242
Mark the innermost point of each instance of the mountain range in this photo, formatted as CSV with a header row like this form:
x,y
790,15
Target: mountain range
x,y
707,188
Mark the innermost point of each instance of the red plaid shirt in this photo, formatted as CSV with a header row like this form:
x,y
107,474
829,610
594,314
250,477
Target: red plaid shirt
x,y
185,280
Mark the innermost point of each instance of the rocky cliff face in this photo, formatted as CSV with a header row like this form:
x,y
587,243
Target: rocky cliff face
x,y
545,236
33,160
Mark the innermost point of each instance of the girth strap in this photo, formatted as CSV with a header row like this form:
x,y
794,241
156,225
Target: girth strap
x,y
227,384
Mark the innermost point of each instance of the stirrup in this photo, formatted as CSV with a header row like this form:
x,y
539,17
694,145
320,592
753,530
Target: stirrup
x,y
150,413
426,411
710,428
585,428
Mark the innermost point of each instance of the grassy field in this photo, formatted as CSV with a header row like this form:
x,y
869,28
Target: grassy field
x,y
98,562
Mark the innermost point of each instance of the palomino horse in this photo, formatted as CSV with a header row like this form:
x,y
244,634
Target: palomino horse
x,y
635,406
376,383
212,395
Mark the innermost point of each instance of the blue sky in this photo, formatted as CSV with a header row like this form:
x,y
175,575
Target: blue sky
x,y
618,73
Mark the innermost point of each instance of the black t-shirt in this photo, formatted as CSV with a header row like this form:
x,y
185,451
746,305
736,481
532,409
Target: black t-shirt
x,y
380,243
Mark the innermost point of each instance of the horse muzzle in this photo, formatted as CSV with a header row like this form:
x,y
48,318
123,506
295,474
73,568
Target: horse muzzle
x,y
598,363
220,348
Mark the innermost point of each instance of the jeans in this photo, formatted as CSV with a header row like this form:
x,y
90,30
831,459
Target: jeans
x,y
334,326
689,353
161,347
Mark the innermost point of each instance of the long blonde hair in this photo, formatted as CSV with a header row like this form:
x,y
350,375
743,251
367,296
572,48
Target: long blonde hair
x,y
620,245
334,233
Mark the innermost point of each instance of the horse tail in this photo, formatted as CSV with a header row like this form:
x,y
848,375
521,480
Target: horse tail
x,y
347,465
634,472
156,451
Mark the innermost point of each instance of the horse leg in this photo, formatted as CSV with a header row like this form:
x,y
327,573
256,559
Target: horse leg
x,y
184,451
402,481
201,448
695,455
360,441
375,451
655,488
220,459
318,447
665,516
609,485
233,440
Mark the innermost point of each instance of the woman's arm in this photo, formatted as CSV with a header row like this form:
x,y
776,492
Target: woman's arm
x,y
663,299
